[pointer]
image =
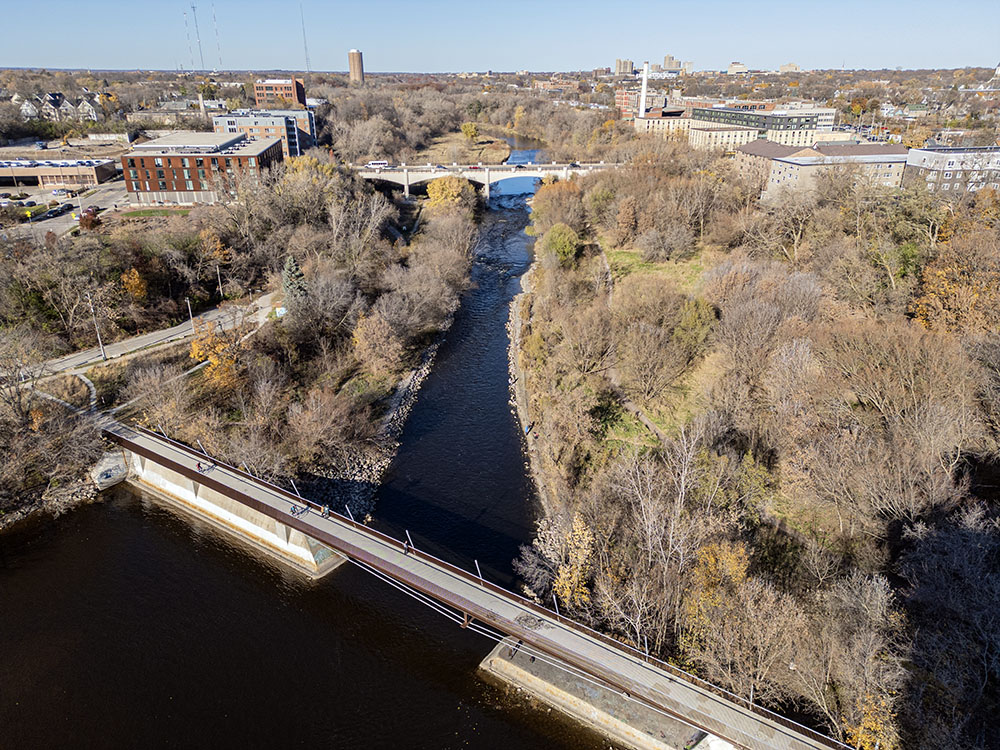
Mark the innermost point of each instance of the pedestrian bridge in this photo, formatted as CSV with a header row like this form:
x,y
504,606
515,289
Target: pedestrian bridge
x,y
473,602
481,174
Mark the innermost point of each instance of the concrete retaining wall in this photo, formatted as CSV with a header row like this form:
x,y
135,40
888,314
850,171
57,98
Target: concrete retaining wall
x,y
623,721
263,532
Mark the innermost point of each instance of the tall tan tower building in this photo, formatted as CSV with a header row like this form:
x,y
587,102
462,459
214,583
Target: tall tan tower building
x,y
357,66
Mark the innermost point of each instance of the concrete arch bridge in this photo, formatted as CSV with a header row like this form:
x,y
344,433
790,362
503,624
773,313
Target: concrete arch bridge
x,y
481,174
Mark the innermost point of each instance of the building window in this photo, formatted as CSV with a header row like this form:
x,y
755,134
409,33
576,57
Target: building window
x,y
945,186
187,173
199,162
947,175
157,162
162,185
189,185
160,174
185,162
131,162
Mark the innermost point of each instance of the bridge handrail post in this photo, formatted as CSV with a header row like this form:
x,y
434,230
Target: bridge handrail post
x,y
480,573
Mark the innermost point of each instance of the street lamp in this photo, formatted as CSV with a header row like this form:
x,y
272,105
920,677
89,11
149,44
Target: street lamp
x,y
190,316
93,314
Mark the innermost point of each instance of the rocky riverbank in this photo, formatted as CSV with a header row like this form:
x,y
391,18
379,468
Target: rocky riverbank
x,y
519,391
54,501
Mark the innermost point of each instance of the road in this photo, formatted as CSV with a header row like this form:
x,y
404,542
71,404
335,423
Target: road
x,y
227,316
635,676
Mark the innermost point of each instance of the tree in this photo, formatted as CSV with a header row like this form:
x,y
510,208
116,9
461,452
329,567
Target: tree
x,y
470,130
293,281
135,285
377,346
451,193
221,351
570,584
562,242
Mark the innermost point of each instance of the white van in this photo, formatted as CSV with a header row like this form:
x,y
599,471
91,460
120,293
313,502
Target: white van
x,y
377,165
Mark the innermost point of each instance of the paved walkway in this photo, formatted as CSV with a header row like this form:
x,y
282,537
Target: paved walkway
x,y
626,670
227,316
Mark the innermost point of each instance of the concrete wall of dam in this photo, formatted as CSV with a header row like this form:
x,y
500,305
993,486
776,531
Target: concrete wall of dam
x,y
288,545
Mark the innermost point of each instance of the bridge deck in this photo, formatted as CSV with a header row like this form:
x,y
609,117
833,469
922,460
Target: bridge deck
x,y
610,662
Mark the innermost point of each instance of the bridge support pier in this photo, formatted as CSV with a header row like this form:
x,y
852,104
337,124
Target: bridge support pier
x,y
406,183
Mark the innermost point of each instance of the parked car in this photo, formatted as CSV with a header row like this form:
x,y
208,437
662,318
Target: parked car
x,y
30,203
4,195
58,191
65,208
92,210
50,214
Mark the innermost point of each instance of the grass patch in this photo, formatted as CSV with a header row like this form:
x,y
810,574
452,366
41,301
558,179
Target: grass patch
x,y
69,388
158,212
455,147
683,273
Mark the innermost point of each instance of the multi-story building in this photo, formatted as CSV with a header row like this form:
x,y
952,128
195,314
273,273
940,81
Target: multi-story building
x,y
357,66
874,164
954,170
187,167
672,65
624,68
295,127
737,68
710,137
627,101
280,93
664,123
800,127
789,68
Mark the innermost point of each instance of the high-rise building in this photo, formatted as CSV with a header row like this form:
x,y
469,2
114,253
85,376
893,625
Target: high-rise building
x,y
624,68
280,93
357,66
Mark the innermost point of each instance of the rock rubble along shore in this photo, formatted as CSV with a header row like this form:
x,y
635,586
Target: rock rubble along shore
x,y
355,486
54,501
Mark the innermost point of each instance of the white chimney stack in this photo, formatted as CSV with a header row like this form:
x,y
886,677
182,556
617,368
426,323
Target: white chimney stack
x,y
642,96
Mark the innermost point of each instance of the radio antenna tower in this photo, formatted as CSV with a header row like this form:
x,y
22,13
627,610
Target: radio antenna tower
x,y
187,33
197,34
305,47
218,44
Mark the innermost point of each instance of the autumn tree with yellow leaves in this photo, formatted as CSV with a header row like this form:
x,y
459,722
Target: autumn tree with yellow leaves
x,y
221,350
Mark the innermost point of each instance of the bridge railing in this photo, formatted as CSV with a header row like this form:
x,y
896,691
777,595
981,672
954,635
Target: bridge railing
x,y
509,595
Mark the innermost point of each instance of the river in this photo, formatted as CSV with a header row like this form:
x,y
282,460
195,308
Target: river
x,y
125,625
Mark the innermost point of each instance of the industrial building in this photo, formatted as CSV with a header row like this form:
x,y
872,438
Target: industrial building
x,y
295,127
61,173
188,167
280,93
357,66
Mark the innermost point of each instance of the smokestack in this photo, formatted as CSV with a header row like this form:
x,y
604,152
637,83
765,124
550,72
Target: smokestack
x,y
642,96
201,105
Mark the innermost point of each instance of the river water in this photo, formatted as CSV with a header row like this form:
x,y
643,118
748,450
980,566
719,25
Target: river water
x,y
125,625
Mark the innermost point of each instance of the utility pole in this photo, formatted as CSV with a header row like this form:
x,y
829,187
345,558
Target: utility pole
x,y
97,329
218,275
190,316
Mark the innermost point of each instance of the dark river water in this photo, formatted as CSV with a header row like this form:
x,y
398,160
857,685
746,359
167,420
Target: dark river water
x,y
123,625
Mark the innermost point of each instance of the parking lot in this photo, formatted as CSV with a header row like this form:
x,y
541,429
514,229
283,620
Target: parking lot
x,y
106,196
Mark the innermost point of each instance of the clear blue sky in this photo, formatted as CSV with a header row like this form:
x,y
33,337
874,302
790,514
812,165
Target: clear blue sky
x,y
456,35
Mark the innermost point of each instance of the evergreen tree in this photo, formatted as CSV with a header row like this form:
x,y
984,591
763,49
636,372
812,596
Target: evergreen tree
x,y
293,281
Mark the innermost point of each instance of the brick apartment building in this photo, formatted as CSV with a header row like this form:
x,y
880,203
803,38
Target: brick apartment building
x,y
280,93
189,168
295,127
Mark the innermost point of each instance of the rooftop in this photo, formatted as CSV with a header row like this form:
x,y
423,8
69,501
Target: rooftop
x,y
226,144
285,81
960,149
20,163
806,161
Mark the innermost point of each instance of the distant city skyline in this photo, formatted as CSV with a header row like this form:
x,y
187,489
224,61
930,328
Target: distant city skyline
x,y
447,36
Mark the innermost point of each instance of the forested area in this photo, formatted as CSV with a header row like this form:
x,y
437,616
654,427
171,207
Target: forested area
x,y
299,394
768,438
